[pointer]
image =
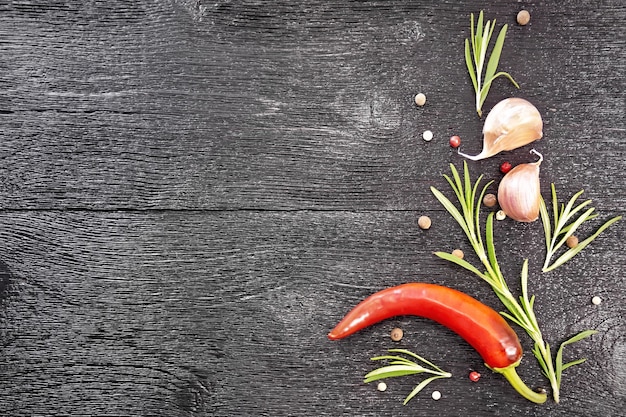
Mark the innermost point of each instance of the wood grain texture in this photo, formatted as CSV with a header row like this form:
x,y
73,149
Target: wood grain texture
x,y
236,105
193,193
226,314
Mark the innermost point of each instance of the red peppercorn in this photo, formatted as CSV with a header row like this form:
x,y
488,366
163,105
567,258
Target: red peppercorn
x,y
455,141
474,376
505,167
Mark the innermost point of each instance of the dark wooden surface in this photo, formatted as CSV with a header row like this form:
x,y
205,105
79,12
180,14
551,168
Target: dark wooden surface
x,y
193,193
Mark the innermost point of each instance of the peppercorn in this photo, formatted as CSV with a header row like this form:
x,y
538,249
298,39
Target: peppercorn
x,y
572,241
500,215
396,334
455,141
420,99
436,395
505,167
474,376
458,253
490,200
523,17
424,222
596,300
427,135
382,386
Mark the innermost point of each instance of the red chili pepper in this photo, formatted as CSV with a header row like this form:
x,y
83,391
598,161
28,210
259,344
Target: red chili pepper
x,y
481,326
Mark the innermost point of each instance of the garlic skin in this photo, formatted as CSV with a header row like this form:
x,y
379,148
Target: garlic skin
x,y
519,192
512,123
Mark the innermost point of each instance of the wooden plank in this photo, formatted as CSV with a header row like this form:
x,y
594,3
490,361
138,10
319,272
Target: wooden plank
x,y
179,313
226,106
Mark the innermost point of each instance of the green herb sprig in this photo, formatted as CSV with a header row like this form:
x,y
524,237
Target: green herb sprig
x,y
400,366
520,310
564,225
476,57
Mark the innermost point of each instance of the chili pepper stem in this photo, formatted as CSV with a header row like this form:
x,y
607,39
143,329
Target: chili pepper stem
x,y
511,375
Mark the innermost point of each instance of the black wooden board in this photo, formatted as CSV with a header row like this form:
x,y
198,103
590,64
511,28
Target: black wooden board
x,y
193,193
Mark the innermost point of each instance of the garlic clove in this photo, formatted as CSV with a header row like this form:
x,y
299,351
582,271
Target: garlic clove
x,y
512,123
519,192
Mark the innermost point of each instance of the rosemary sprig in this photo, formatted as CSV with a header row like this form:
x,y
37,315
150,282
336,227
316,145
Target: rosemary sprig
x,y
400,366
520,310
564,226
475,58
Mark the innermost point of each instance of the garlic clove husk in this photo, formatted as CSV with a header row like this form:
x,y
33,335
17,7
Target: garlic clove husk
x,y
512,123
519,192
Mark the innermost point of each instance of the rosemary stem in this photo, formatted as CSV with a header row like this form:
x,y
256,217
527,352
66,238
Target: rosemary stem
x,y
517,311
547,262
547,359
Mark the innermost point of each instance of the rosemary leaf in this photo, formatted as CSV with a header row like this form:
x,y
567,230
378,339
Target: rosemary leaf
x,y
469,195
524,281
558,362
578,337
393,358
483,47
509,304
472,35
459,187
461,262
572,200
420,387
513,319
555,206
491,250
457,192
527,303
572,363
489,81
451,209
479,29
392,371
492,65
470,65
570,212
416,356
478,202
541,360
567,228
545,219
571,228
